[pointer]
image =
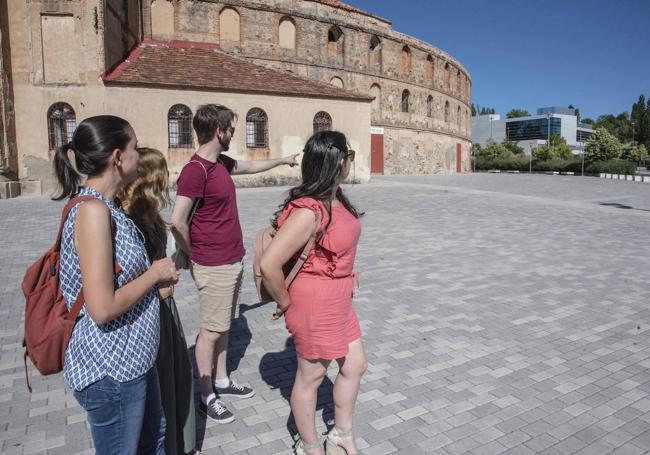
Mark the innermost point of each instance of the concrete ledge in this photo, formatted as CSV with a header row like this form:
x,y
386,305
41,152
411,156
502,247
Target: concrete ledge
x,y
494,171
31,188
9,189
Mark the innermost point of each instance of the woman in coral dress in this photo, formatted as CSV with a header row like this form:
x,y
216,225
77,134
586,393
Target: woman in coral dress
x,y
318,305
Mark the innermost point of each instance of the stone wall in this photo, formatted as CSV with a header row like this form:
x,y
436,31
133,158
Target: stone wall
x,y
431,73
8,155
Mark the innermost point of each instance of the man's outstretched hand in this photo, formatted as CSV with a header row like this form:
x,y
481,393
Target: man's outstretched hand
x,y
291,160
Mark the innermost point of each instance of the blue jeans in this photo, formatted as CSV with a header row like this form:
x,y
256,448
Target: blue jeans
x,y
125,417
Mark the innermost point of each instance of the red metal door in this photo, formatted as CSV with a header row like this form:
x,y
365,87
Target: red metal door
x,y
377,153
459,158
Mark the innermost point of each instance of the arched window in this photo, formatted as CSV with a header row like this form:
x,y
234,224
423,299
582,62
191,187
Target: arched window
x,y
334,34
447,77
287,33
61,123
430,106
406,101
257,129
446,111
430,68
335,40
375,91
322,122
229,25
458,118
458,84
405,60
337,82
374,53
179,127
375,42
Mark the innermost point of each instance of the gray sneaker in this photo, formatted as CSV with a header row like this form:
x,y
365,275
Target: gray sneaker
x,y
234,390
217,411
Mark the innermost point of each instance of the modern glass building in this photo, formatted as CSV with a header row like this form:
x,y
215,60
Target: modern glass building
x,y
524,129
534,130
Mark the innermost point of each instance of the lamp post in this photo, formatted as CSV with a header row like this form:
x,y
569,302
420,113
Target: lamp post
x,y
582,154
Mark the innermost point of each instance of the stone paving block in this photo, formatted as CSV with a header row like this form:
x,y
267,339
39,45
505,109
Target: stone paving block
x,y
523,323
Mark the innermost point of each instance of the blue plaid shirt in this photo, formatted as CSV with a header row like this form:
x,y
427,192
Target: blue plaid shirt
x,y
126,347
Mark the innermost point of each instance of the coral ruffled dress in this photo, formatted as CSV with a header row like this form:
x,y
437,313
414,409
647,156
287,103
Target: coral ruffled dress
x,y
320,316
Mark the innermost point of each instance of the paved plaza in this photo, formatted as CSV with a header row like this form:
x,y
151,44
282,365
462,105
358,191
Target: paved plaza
x,y
500,313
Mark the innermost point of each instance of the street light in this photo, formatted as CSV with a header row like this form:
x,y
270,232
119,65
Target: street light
x,y
582,153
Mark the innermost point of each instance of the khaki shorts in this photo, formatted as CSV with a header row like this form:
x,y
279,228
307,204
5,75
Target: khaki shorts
x,y
219,288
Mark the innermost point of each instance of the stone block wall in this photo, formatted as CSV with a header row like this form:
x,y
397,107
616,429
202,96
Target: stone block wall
x,y
432,72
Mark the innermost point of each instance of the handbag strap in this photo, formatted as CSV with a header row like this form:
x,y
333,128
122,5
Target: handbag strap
x,y
304,253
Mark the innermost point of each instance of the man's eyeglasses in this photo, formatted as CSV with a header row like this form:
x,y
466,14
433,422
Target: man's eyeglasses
x,y
232,130
350,155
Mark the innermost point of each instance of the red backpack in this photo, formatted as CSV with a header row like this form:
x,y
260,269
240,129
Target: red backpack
x,y
48,323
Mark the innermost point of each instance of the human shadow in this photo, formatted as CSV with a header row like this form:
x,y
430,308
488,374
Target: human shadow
x,y
278,370
239,339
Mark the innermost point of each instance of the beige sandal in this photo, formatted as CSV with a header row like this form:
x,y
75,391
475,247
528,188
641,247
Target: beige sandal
x,y
334,437
302,447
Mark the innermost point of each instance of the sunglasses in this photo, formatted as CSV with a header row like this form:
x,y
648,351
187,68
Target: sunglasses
x,y
350,155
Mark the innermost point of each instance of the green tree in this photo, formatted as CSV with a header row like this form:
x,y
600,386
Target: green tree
x,y
588,121
493,150
514,113
619,125
638,154
513,147
602,146
556,150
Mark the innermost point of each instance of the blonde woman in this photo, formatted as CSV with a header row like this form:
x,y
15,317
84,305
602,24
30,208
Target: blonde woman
x,y
143,200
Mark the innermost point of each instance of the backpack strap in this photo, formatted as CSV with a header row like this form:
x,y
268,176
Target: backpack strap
x,y
79,302
304,253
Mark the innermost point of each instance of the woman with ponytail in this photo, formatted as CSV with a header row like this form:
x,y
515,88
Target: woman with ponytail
x,y
109,363
318,306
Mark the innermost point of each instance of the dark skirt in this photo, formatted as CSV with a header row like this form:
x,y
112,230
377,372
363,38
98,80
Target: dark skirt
x,y
176,382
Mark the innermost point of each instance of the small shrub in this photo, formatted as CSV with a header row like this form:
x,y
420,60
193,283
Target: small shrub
x,y
612,167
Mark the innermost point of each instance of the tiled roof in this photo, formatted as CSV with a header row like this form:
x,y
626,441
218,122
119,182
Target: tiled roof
x,y
202,66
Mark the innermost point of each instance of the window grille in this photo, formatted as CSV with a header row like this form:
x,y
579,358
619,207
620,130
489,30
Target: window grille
x,y
61,123
179,126
322,122
257,131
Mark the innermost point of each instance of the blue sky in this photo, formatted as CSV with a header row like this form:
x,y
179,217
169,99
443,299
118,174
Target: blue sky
x,y
593,54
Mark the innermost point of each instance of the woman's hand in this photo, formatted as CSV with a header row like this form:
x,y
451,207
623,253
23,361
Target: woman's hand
x,y
165,272
279,311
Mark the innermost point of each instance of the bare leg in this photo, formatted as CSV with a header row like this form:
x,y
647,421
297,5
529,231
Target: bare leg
x,y
205,352
221,356
309,376
346,388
